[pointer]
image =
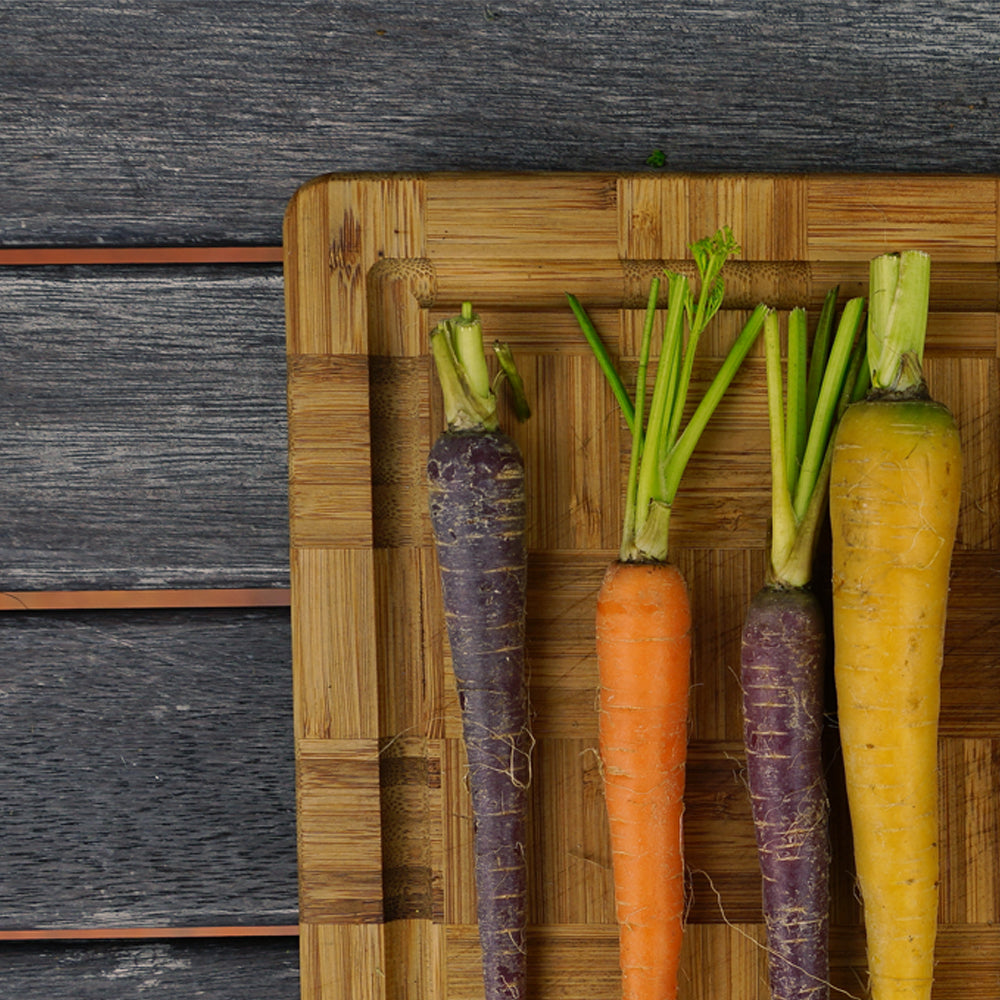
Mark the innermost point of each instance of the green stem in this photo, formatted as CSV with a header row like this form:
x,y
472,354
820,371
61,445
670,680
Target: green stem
x,y
664,398
652,532
469,400
899,290
710,255
508,370
796,512
604,361
783,523
796,568
681,452
467,340
660,452
820,349
462,409
628,530
795,418
826,404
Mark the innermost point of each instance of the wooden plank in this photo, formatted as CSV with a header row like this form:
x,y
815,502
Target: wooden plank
x,y
558,217
335,954
340,838
851,218
127,123
330,420
146,428
148,778
333,630
251,969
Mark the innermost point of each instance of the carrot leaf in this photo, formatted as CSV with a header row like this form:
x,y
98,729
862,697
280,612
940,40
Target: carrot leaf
x,y
663,445
795,417
799,486
710,255
604,360
640,410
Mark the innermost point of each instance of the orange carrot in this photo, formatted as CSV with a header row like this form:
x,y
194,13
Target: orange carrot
x,y
644,652
643,631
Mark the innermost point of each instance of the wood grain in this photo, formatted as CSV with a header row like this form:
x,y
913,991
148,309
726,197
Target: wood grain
x,y
144,779
148,933
375,703
251,969
146,428
140,123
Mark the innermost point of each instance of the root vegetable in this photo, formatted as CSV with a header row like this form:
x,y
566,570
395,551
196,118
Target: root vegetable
x,y
894,502
643,623
782,669
477,508
784,649
644,648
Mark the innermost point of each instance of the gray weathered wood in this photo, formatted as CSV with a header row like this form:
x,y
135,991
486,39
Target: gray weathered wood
x,y
147,775
144,428
134,121
253,969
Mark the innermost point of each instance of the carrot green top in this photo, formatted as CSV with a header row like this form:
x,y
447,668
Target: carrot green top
x,y
801,427
899,290
660,447
470,401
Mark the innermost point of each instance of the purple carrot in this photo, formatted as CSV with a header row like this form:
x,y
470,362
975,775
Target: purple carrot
x,y
784,640
783,652
477,507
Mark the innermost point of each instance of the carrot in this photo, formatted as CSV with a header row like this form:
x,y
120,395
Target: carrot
x,y
643,629
477,507
644,652
783,651
894,501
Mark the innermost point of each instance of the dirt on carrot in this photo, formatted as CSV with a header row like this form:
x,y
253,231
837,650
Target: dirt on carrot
x,y
476,490
784,645
894,505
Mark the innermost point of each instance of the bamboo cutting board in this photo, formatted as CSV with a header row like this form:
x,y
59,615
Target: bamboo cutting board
x,y
371,263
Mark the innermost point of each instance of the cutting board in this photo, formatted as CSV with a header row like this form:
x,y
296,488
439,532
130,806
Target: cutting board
x,y
384,826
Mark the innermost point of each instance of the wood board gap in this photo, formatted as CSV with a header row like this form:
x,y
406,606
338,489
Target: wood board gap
x,y
78,600
146,933
48,256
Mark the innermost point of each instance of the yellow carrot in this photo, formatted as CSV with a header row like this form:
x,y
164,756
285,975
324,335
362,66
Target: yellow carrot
x,y
894,500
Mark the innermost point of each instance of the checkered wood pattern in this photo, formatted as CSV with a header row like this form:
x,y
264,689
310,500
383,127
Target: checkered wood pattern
x,y
371,263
